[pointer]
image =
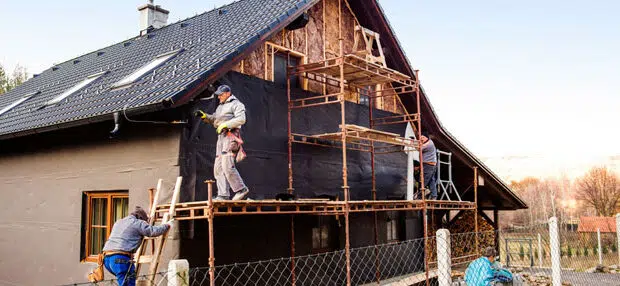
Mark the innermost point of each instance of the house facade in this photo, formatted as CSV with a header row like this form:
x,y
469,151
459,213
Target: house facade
x,y
66,179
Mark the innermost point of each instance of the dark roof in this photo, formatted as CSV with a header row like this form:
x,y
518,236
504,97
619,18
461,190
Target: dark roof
x,y
592,223
208,41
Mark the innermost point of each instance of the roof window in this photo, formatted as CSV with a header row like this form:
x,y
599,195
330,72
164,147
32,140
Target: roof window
x,y
75,88
18,102
159,60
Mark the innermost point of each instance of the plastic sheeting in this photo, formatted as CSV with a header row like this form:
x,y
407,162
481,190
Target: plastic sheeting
x,y
317,170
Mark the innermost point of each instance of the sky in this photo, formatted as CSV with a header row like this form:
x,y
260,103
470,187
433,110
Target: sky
x,y
528,86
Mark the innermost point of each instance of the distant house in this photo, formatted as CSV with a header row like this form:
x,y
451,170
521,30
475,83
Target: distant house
x,y
64,180
594,223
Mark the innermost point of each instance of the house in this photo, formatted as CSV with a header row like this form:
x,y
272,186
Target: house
x,y
83,142
592,224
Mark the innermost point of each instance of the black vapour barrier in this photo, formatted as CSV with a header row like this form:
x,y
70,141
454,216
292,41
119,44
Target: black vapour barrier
x,y
317,170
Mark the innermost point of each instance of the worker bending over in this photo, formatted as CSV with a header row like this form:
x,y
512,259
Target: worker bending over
x,y
227,119
125,238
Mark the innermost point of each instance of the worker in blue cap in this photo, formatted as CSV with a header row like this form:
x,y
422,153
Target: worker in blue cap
x,y
227,119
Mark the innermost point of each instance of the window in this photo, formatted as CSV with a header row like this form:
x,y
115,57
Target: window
x,y
392,227
280,66
365,94
102,210
321,236
18,102
159,60
75,88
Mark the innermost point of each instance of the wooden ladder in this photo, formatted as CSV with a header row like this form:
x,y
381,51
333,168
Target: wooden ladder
x,y
157,243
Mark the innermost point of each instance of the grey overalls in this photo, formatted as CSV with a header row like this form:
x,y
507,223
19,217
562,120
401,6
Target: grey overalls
x,y
232,113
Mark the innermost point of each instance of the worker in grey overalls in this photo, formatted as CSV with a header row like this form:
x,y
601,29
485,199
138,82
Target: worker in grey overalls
x,y
227,119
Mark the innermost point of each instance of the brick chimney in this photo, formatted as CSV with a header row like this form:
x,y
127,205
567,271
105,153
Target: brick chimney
x,y
152,16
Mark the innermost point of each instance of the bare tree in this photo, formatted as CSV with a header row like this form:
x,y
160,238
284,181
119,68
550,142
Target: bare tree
x,y
600,188
8,82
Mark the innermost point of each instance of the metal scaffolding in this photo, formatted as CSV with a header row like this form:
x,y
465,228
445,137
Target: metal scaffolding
x,y
346,73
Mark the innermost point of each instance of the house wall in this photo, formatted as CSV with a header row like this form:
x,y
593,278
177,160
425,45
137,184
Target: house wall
x,y
42,179
317,41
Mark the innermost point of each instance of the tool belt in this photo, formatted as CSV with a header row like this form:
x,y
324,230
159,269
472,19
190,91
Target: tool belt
x,y
236,146
113,252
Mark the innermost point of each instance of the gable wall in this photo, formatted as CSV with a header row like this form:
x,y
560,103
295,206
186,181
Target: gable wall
x,y
318,40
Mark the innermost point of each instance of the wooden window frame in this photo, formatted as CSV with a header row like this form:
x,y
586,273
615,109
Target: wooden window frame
x,y
270,51
392,228
109,195
321,248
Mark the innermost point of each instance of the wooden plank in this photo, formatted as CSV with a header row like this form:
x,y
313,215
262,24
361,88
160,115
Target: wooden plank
x,y
162,241
152,213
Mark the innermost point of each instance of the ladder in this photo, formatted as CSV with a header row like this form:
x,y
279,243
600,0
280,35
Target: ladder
x,y
157,243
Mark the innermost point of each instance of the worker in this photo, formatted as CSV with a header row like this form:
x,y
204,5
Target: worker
x,y
125,238
227,119
485,271
429,162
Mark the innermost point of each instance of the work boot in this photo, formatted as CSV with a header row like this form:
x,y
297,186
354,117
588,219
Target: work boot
x,y
427,192
220,198
240,195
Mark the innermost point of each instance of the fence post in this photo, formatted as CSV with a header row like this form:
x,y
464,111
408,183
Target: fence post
x,y
444,271
540,258
178,272
618,235
554,240
598,239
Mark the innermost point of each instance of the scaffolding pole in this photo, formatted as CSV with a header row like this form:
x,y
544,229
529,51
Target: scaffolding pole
x,y
210,217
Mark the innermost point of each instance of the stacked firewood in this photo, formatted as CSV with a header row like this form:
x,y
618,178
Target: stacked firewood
x,y
463,235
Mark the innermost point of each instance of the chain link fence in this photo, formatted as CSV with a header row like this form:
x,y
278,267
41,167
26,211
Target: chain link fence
x,y
535,255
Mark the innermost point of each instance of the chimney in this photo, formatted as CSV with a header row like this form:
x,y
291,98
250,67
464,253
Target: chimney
x,y
152,16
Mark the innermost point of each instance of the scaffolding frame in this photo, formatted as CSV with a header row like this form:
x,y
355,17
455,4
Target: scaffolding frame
x,y
346,72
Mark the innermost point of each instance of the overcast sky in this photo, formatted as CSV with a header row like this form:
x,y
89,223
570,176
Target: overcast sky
x,y
510,79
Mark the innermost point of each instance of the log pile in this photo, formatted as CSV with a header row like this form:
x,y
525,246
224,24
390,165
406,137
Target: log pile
x,y
463,238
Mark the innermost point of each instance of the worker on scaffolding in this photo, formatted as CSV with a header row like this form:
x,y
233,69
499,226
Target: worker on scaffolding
x,y
227,119
125,238
429,159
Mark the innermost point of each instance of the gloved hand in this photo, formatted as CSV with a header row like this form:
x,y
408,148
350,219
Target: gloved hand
x,y
221,127
200,114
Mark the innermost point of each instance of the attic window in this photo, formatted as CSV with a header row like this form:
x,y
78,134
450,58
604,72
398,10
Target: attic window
x,y
183,25
100,54
76,61
55,68
125,44
18,102
75,88
159,60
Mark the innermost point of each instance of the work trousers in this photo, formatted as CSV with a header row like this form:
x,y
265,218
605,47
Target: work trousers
x,y
224,170
430,179
120,265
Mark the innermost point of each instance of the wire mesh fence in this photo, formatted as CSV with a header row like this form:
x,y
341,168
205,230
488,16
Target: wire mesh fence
x,y
367,265
529,251
531,255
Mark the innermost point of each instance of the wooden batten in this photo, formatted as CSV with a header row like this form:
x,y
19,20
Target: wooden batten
x,y
317,41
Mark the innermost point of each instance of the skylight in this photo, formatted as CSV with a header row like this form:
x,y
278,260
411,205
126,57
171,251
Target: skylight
x,y
18,102
159,60
75,88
